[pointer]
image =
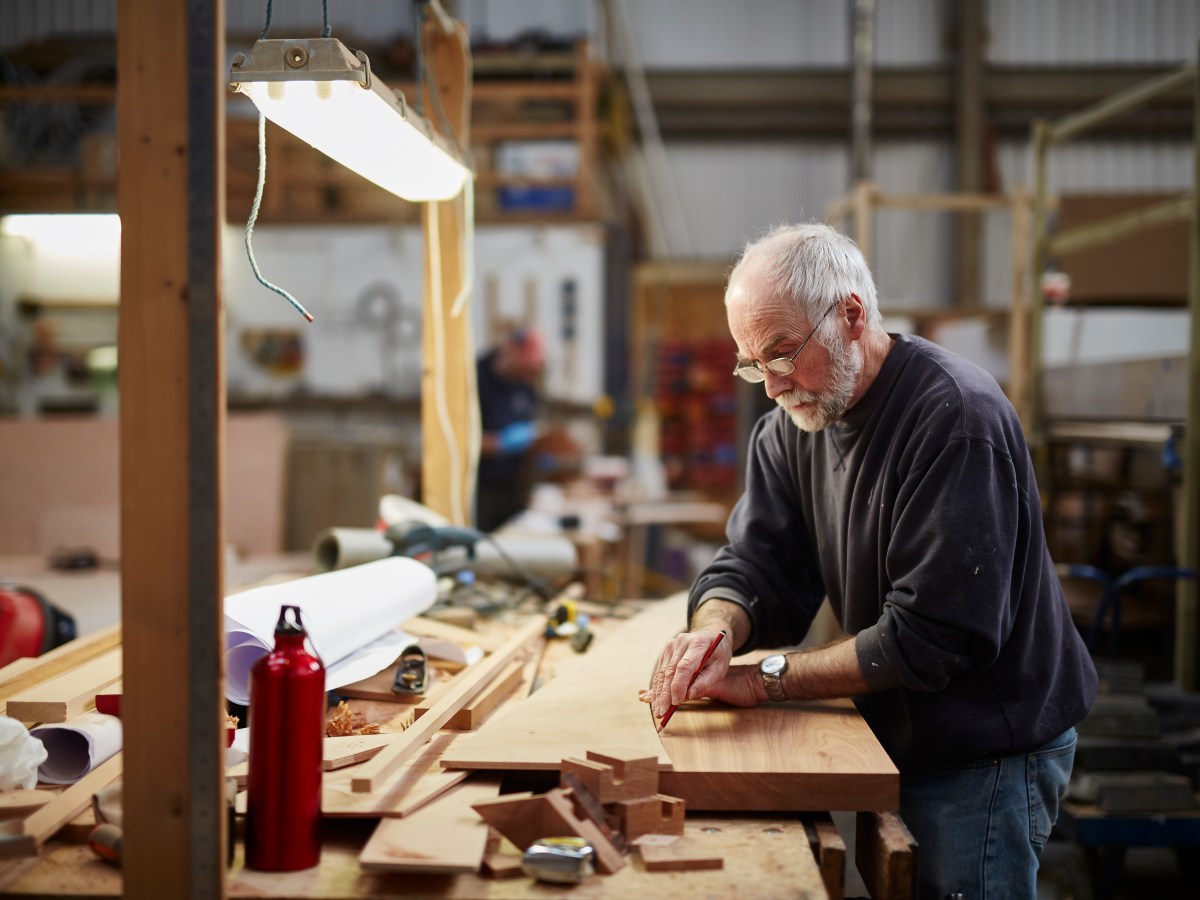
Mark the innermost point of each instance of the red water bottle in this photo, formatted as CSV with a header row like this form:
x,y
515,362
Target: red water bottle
x,y
287,733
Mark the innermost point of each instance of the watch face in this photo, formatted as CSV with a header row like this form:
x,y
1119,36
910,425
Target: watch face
x,y
773,665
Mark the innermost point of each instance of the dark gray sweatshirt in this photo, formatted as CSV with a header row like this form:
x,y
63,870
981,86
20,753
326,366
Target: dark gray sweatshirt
x,y
918,515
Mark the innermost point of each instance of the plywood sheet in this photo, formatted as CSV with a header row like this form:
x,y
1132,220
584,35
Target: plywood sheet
x,y
776,757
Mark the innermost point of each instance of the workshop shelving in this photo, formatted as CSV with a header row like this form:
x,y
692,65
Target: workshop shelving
x,y
535,141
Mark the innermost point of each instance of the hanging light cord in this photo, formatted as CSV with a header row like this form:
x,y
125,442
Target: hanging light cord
x,y
262,180
325,31
258,193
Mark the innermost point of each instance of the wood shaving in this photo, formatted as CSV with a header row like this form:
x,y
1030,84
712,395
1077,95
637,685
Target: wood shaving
x,y
341,723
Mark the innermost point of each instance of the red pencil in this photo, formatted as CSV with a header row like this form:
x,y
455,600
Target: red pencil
x,y
707,653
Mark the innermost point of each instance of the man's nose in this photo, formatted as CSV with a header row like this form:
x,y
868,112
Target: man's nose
x,y
776,384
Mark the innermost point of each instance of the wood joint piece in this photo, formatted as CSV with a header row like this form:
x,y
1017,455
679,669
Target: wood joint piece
x,y
612,778
658,814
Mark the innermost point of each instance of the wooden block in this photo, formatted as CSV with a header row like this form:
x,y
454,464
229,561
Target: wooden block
x,y
886,855
524,818
659,814
108,701
69,694
516,816
829,850
678,854
445,837
502,859
472,715
610,778
586,806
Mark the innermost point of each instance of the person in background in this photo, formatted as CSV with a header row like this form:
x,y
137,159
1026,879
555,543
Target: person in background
x,y
893,478
508,377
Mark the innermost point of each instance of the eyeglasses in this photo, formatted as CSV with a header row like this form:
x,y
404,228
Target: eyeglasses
x,y
783,365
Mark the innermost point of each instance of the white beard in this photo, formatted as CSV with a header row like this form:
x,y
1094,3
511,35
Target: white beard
x,y
846,363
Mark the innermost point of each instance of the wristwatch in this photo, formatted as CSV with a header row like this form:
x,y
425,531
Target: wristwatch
x,y
772,669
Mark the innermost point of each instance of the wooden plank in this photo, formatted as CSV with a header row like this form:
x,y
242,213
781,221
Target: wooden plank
x,y
446,837
66,696
592,707
778,756
170,196
774,757
466,687
41,825
25,672
413,784
886,855
473,714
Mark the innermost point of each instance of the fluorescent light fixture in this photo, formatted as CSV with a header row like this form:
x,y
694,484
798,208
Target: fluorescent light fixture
x,y
320,91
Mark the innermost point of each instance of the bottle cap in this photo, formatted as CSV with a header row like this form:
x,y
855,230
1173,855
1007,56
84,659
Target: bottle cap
x,y
285,625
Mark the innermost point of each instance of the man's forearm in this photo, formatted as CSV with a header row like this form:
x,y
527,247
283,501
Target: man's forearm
x,y
824,672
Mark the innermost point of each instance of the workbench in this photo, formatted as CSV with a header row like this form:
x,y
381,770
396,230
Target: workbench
x,y
765,854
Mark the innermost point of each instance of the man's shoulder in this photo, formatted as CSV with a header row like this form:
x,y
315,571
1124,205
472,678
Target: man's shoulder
x,y
938,367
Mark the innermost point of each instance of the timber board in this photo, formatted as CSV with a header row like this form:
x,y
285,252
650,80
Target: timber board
x,y
775,757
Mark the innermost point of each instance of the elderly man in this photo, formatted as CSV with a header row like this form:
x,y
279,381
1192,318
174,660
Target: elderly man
x,y
895,479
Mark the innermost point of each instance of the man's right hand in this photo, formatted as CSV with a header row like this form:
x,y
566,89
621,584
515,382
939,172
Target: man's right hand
x,y
679,660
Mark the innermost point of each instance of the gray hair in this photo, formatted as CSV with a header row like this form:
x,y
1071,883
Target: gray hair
x,y
813,265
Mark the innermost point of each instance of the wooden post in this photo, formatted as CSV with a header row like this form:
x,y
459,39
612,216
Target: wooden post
x,y
170,195
449,398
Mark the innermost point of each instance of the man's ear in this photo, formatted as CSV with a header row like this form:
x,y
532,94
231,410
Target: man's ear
x,y
856,316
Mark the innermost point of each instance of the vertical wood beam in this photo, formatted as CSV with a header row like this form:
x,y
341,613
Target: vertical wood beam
x,y
170,191
449,398
969,133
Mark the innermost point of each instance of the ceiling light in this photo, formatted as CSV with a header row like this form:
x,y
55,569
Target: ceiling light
x,y
325,94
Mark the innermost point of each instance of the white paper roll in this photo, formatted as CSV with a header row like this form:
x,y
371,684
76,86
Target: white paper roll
x,y
351,617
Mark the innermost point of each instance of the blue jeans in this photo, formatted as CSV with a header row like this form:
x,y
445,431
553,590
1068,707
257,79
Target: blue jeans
x,y
980,827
